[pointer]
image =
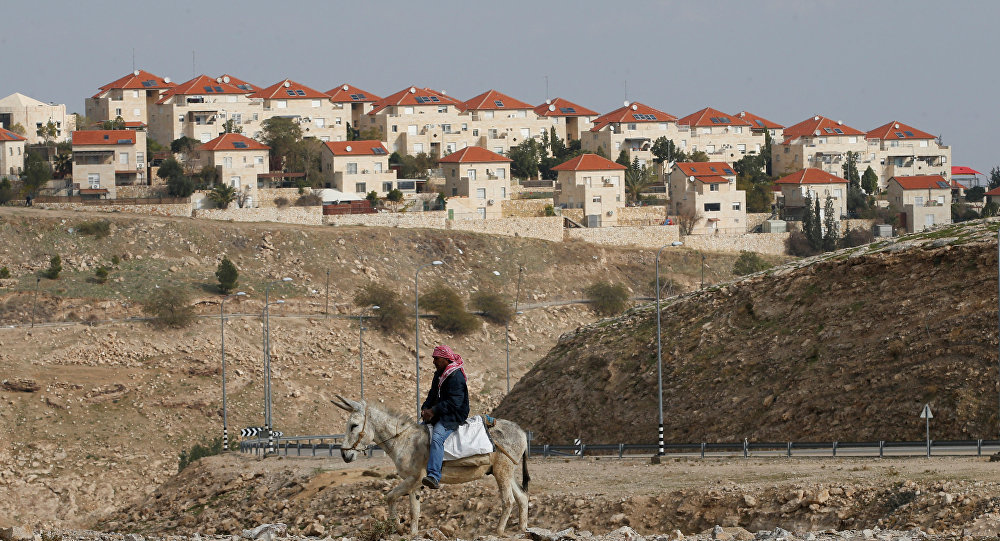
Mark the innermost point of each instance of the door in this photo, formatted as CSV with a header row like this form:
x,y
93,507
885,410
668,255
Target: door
x,y
929,220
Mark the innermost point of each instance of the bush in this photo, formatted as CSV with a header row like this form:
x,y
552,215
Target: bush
x,y
607,299
115,260
550,210
55,267
97,228
857,237
227,274
309,200
392,313
377,530
450,309
198,452
170,307
281,202
798,245
493,307
749,263
101,274
4,273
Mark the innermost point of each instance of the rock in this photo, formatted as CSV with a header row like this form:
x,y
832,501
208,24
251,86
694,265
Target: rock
x,y
22,385
315,529
435,535
265,531
134,537
719,534
541,534
619,518
16,533
749,500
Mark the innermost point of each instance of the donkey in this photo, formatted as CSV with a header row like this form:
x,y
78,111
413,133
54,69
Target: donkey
x,y
407,443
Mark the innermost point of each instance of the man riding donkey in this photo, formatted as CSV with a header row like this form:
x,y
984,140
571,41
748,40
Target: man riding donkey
x,y
446,407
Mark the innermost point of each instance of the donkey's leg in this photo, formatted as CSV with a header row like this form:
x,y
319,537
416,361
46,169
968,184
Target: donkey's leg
x,y
414,505
390,500
522,503
501,472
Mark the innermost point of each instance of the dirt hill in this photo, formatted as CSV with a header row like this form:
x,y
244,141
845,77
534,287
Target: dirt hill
x,y
847,346
86,396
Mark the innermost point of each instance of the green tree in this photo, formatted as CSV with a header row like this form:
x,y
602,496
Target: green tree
x,y
373,198
975,194
831,234
63,165
282,135
208,175
4,273
493,306
525,157
752,167
622,158
222,195
869,181
232,126
765,151
995,178
759,194
117,123
178,184
373,133
990,209
47,132
184,145
101,274
698,156
395,196
6,191
227,274
607,299
637,179
749,263
170,306
392,315
37,172
152,145
557,148
809,224
55,267
857,201
664,150
601,152
850,169
18,128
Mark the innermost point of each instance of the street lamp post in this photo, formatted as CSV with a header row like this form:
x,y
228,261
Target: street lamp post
x,y
361,345
659,348
416,311
268,426
222,326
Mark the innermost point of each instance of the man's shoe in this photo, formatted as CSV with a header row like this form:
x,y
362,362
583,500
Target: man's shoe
x,y
431,482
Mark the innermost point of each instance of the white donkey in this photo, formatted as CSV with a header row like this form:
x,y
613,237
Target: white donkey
x,y
407,443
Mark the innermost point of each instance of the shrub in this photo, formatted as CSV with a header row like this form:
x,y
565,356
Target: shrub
x,y
607,299
856,237
4,273
170,307
281,202
115,260
450,309
798,245
222,195
493,306
227,274
550,210
101,274
97,228
392,313
309,200
377,530
668,286
55,267
749,263
198,452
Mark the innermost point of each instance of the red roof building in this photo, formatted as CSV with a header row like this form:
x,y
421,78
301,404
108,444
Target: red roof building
x,y
356,148
346,93
811,176
897,131
562,107
820,126
233,141
238,83
711,118
707,171
137,80
104,137
474,155
589,162
413,96
923,182
201,85
7,135
758,122
288,90
495,101
632,113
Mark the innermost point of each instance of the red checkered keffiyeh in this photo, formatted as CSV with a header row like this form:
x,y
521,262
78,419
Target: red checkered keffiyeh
x,y
455,363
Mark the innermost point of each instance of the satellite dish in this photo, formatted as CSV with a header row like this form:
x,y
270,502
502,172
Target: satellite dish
x,y
743,114
897,126
816,132
287,84
444,91
348,148
635,107
413,90
611,127
218,79
552,107
166,79
626,103
136,72
345,87
840,122
548,102
226,79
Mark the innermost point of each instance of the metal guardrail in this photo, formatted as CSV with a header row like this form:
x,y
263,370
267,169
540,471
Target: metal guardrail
x,y
312,444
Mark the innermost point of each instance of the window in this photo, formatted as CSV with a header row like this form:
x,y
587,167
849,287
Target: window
x,y
481,211
475,132
442,108
387,186
411,129
480,193
940,200
465,127
237,117
485,115
736,205
352,168
737,129
503,192
123,158
234,182
704,130
407,110
525,133
918,201
378,167
337,121
395,129
180,118
713,207
498,150
94,179
852,139
596,199
361,187
418,148
315,103
255,116
135,93
501,173
631,126
710,149
713,187
741,148
259,160
118,112
449,148
492,133
471,174
446,128
281,104
227,162
319,122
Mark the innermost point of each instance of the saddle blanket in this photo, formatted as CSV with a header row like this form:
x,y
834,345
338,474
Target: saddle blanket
x,y
470,439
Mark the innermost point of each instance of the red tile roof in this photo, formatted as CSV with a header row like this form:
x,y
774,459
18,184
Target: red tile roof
x,y
357,148
897,130
7,135
994,191
811,176
819,126
233,141
104,137
201,85
239,83
294,91
712,179
711,117
491,100
589,162
634,112
922,182
963,170
409,95
561,107
139,79
346,93
473,155
759,122
705,169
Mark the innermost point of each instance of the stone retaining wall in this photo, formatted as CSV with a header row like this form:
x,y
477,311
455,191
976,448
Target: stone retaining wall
x,y
764,243
526,208
652,236
287,215
431,219
755,219
651,215
140,192
178,209
266,196
550,228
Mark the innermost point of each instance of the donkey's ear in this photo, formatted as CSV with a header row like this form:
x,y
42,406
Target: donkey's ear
x,y
340,405
343,403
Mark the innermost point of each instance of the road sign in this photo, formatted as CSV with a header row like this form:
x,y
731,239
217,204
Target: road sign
x,y
254,431
926,412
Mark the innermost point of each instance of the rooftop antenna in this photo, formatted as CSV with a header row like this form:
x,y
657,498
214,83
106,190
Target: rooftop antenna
x,y
546,88
133,58
193,72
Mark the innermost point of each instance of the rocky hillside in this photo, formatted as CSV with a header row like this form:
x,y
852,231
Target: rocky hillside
x,y
848,346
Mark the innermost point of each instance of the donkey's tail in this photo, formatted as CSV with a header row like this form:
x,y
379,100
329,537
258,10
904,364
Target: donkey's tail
x,y
524,471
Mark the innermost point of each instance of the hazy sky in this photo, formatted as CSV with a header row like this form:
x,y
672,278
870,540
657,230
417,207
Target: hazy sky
x,y
925,63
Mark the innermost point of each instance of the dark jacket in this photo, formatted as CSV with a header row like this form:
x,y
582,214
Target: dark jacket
x,y
452,407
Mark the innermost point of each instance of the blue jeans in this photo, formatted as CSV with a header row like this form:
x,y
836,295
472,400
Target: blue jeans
x,y
440,434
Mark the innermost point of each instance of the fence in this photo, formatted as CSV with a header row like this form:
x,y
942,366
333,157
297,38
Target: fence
x,y
104,202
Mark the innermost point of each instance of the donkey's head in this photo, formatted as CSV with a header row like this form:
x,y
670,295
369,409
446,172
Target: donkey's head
x,y
358,434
